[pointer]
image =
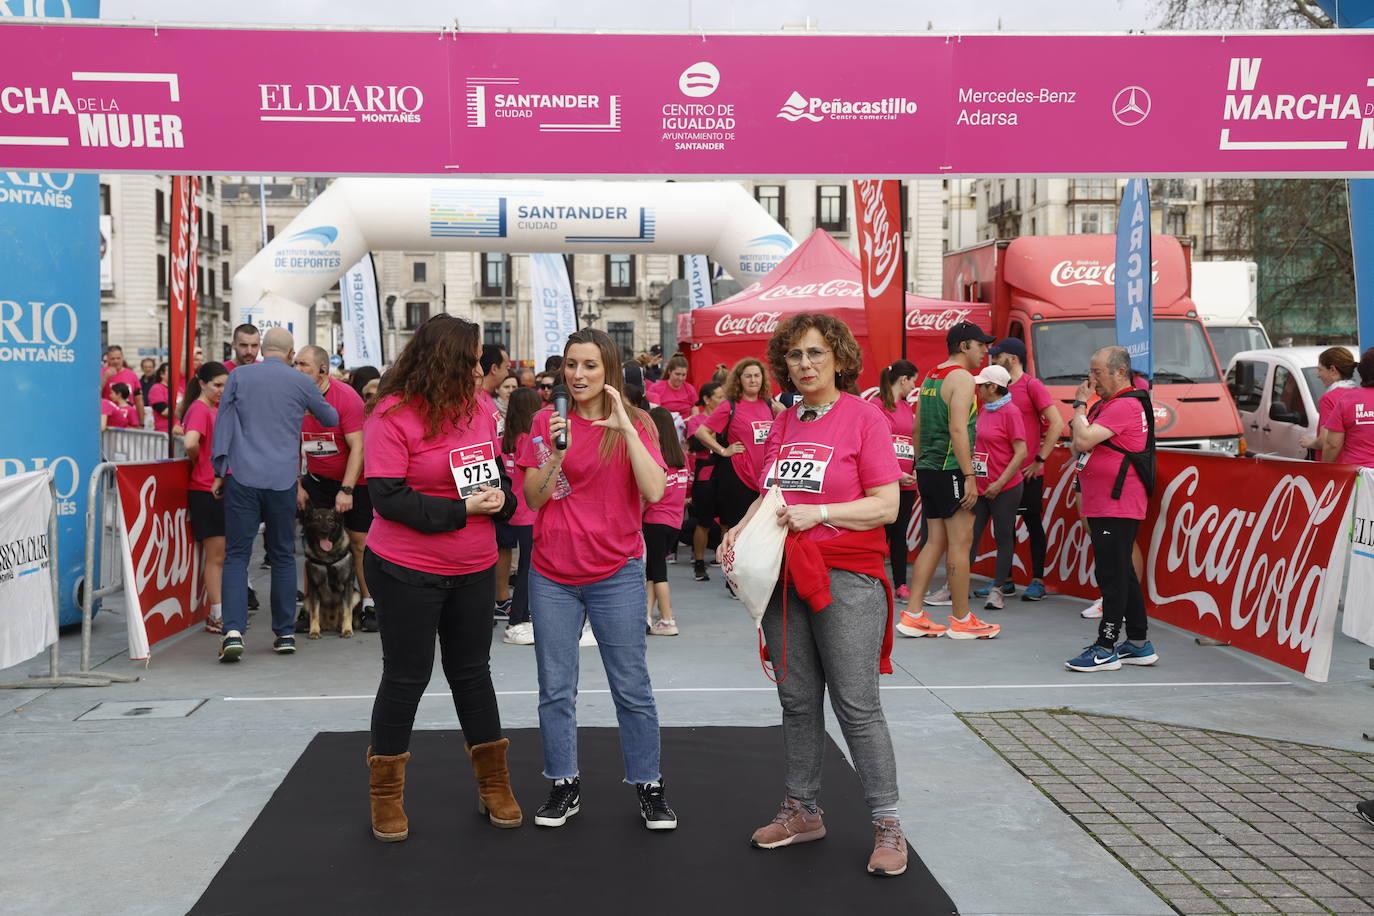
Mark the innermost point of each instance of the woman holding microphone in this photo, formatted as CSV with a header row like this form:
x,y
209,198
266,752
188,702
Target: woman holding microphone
x,y
586,476
832,456
435,477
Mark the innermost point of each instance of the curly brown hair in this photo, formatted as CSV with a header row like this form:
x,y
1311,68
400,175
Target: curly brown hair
x,y
734,383
849,359
434,373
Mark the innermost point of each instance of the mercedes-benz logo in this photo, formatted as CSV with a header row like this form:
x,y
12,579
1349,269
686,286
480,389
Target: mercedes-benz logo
x,y
1131,106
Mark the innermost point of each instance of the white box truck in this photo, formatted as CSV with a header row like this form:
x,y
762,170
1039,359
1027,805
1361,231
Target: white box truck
x,y
1226,295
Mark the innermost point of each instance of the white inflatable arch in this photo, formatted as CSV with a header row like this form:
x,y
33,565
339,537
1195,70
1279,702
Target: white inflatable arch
x,y
357,215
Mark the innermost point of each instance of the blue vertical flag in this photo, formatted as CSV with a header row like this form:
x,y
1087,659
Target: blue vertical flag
x,y
1134,290
555,316
698,276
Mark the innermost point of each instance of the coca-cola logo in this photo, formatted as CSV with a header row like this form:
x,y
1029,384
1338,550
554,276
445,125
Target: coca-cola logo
x,y
163,552
1090,273
942,320
1254,567
879,239
826,290
757,323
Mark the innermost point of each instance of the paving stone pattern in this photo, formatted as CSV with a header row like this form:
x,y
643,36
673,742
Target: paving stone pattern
x,y
1215,823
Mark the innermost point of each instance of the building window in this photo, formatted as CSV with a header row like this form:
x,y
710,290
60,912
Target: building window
x,y
209,226
224,238
1092,219
104,200
1176,222
1092,189
620,275
495,275
623,333
271,232
224,274
417,313
160,212
418,271
209,185
773,199
211,285
830,210
162,278
496,332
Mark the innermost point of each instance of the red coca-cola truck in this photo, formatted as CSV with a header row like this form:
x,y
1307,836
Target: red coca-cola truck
x,y
1056,294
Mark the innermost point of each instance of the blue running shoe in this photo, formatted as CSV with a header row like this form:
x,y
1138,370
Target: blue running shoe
x,y
1095,658
1130,655
982,592
1008,589
1034,592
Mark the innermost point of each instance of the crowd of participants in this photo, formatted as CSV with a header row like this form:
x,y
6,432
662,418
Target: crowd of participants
x,y
475,492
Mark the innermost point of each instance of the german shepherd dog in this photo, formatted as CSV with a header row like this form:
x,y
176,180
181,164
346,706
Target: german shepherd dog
x,y
329,568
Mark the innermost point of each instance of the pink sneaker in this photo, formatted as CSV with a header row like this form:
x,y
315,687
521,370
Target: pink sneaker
x,y
903,593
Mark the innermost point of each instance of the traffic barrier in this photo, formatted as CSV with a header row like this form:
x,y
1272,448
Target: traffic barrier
x,y
124,446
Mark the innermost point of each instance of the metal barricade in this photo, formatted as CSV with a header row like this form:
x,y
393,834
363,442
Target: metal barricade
x,y
124,446
103,525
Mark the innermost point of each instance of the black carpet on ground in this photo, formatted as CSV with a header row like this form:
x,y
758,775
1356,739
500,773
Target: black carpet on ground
x,y
311,849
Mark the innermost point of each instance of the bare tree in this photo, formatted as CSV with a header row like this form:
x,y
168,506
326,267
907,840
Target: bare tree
x,y
1240,14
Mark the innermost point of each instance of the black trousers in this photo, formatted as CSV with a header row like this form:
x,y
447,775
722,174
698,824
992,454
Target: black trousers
x,y
1122,598
1032,508
896,536
412,608
659,541
733,496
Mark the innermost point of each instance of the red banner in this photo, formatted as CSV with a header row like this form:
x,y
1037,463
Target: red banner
x,y
161,559
1248,551
192,272
177,247
878,205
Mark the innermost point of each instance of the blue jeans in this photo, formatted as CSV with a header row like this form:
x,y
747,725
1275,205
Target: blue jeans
x,y
615,607
244,507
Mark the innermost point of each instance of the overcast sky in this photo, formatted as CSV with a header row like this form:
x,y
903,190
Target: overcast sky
x,y
669,15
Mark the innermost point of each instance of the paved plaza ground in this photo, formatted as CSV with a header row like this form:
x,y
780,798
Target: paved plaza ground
x,y
1213,782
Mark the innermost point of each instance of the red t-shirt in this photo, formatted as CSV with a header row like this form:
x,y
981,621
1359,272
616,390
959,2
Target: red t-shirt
x,y
900,420
830,460
1030,397
1354,416
669,509
200,418
593,524
524,515
679,400
994,441
1098,468
325,448
128,377
751,425
700,463
467,449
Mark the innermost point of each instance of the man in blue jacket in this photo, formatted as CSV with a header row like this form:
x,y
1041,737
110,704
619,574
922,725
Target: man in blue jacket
x,y
257,460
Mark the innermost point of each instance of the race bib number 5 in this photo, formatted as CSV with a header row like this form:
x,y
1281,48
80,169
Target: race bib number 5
x,y
318,445
474,467
801,466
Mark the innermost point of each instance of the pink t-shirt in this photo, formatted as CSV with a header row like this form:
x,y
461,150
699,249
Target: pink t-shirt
x,y
994,441
128,377
325,448
1354,416
593,524
700,463
830,460
669,509
1030,397
524,515
900,420
118,417
752,422
679,400
200,418
1327,405
1124,417
157,394
466,450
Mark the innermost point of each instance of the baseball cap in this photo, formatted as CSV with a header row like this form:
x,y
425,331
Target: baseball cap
x,y
966,330
656,350
1013,345
993,375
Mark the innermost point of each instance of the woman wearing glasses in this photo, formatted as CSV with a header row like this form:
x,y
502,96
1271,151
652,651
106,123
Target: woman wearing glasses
x,y
831,455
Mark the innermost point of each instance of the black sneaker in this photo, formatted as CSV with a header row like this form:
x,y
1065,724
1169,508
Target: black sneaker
x,y
564,801
369,622
1365,809
252,599
284,645
231,647
653,808
699,571
503,609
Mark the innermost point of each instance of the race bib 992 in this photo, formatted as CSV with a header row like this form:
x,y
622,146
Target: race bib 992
x,y
801,466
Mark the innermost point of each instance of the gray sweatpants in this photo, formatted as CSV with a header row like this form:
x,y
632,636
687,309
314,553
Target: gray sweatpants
x,y
836,648
1002,510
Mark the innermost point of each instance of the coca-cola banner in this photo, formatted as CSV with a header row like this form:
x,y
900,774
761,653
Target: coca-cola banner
x,y
1249,551
882,256
178,248
161,558
179,100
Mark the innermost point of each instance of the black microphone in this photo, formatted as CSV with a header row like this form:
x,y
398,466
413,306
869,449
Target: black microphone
x,y
561,399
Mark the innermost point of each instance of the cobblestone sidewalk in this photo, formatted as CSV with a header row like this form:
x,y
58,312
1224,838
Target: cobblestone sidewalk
x,y
1215,823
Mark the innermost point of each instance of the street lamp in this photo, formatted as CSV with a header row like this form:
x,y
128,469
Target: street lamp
x,y
589,317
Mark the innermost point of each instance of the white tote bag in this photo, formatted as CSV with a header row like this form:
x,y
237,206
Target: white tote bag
x,y
752,566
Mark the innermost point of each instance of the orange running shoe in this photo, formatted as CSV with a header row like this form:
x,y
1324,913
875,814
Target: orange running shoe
x,y
972,628
920,625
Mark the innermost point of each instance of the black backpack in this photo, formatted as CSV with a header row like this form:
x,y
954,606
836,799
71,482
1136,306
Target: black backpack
x,y
1143,461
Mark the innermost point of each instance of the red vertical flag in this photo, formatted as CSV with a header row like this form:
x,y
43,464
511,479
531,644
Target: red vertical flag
x,y
178,246
192,273
883,257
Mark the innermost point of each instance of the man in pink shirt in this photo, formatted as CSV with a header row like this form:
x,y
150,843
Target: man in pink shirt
x,y
247,343
1115,443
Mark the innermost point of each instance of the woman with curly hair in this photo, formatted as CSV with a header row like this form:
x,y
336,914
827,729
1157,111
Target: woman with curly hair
x,y
434,472
831,455
586,477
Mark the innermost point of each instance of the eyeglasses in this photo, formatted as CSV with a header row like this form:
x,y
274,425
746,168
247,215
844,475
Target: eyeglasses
x,y
545,387
814,355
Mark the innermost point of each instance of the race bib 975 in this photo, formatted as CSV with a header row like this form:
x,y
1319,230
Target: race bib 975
x,y
474,467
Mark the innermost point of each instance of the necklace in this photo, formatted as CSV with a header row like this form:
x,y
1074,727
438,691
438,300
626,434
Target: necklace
x,y
809,412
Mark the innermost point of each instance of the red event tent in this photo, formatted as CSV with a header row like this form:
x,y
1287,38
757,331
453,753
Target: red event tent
x,y
818,276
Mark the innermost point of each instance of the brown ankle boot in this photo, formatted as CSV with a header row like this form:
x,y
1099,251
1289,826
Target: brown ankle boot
x,y
494,797
387,792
